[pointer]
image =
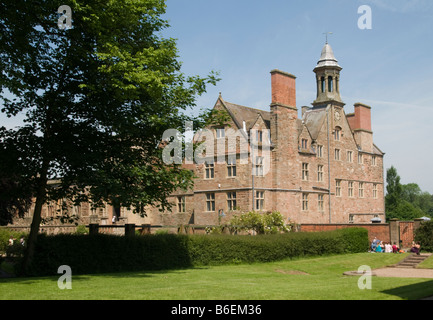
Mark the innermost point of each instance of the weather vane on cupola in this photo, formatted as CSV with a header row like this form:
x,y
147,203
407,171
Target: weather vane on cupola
x,y
327,33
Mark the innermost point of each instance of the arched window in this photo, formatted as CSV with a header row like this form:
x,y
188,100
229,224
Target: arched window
x,y
322,84
330,84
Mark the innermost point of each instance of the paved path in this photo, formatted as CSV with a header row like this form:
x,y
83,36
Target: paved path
x,y
393,272
403,273
407,268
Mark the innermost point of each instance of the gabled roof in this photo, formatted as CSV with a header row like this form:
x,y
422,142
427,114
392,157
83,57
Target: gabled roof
x,y
249,115
313,119
377,151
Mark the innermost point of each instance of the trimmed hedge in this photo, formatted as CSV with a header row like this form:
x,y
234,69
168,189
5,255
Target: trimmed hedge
x,y
104,253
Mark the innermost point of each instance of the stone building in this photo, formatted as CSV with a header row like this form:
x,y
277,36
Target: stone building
x,y
322,167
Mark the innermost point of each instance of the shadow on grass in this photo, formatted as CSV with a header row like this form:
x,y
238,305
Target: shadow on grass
x,y
87,277
413,292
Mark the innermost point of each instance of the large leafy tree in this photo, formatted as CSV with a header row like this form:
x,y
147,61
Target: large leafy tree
x,y
96,99
401,201
394,189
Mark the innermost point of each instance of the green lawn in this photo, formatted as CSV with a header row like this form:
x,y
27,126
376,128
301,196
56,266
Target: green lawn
x,y
427,264
318,278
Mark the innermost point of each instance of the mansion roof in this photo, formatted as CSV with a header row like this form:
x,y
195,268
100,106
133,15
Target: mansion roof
x,y
313,119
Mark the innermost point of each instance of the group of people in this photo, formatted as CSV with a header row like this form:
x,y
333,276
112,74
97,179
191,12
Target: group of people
x,y
12,239
379,246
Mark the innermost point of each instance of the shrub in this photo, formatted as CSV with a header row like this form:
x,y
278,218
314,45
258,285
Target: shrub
x,y
81,229
266,223
16,250
424,235
105,253
5,234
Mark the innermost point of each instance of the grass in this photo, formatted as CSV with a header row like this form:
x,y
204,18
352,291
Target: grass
x,y
319,278
427,264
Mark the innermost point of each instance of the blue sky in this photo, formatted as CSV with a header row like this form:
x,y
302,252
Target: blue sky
x,y
389,67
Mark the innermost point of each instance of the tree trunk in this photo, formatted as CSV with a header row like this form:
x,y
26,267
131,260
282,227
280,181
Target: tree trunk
x,y
37,218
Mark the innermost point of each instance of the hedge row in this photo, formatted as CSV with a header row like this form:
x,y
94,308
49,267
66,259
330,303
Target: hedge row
x,y
103,253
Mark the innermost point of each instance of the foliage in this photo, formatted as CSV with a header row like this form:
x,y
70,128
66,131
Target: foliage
x,y
405,211
406,202
104,253
5,234
424,235
261,223
81,229
15,196
393,188
16,250
413,194
96,100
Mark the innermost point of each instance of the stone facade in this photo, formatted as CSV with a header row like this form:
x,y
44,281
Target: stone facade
x,y
323,167
313,164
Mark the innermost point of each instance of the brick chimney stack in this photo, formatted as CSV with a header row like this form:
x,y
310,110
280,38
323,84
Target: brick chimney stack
x,y
283,89
360,123
361,118
284,128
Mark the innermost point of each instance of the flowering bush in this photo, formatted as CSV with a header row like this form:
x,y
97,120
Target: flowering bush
x,y
261,223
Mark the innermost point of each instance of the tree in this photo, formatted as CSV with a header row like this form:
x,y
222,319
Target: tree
x,y
425,203
404,201
97,99
419,199
411,192
393,188
404,211
15,193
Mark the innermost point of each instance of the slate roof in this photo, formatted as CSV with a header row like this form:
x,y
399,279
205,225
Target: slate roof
x,y
313,119
249,115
